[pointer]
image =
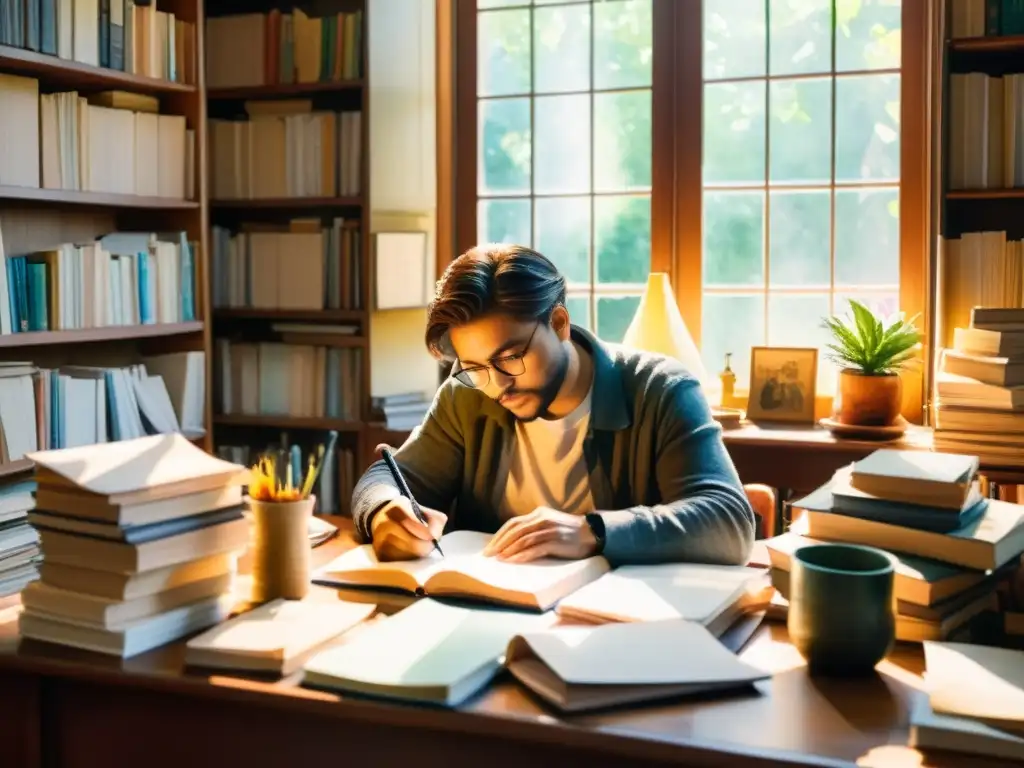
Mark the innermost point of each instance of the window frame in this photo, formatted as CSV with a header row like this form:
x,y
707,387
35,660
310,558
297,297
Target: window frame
x,y
677,183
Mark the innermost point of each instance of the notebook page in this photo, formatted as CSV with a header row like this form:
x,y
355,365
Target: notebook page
x,y
532,578
429,644
458,547
659,592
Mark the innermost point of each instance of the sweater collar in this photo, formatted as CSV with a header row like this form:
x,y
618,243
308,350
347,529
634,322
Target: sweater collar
x,y
608,400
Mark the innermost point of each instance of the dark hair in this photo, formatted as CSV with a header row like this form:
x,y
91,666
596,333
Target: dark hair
x,y
492,279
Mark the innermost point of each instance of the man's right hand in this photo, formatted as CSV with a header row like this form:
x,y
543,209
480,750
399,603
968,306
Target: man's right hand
x,y
398,535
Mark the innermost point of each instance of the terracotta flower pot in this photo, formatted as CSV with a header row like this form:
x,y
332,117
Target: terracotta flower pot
x,y
868,401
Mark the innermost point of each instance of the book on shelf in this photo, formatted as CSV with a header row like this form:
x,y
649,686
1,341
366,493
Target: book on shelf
x,y
120,587
979,269
985,18
286,149
295,380
98,144
303,265
123,278
283,47
20,556
70,406
402,412
986,133
114,34
466,572
119,145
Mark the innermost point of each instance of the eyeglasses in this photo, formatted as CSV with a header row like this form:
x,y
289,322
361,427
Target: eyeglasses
x,y
479,376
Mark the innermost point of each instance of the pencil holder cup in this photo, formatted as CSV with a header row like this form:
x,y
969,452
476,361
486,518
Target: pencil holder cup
x,y
280,549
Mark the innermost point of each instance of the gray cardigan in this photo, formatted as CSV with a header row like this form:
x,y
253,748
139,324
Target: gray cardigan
x,y
660,476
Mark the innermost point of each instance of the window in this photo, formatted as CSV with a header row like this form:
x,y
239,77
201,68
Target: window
x,y
771,155
801,171
563,99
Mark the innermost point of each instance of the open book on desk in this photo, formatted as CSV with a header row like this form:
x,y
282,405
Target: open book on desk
x,y
714,596
465,572
577,668
431,653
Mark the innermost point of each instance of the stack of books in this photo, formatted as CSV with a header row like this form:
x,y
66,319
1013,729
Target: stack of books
x,y
954,548
980,389
974,702
140,540
19,542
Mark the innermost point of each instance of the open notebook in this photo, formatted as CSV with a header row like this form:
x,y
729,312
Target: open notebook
x,y
431,652
578,668
712,595
465,572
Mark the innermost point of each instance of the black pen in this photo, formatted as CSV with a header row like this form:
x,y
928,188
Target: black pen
x,y
403,486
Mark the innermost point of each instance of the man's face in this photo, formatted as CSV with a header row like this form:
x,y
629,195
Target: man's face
x,y
497,347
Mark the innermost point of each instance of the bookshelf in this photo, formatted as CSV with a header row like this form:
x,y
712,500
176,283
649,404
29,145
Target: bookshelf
x,y
981,222
980,259
290,293
60,207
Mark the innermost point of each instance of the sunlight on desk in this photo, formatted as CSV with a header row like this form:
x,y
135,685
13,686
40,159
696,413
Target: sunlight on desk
x,y
892,756
772,651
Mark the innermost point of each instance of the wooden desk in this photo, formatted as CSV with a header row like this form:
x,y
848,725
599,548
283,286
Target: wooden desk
x,y
796,460
803,458
61,708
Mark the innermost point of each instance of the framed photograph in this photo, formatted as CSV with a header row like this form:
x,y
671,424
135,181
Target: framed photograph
x,y
782,384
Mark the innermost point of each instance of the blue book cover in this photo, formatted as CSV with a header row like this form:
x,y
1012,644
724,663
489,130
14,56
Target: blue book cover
x,y
12,295
145,308
188,280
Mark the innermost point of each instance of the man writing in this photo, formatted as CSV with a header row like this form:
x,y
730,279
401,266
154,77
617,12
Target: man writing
x,y
560,444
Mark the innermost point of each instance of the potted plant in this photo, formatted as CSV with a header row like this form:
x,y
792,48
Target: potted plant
x,y
870,353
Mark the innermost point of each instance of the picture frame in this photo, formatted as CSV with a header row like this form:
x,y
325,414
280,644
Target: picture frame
x,y
782,384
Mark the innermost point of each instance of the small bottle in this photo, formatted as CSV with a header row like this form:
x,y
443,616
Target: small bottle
x,y
728,381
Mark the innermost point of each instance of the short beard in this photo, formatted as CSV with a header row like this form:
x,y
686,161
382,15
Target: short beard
x,y
550,390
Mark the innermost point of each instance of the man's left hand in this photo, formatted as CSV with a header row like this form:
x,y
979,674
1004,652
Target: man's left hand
x,y
545,532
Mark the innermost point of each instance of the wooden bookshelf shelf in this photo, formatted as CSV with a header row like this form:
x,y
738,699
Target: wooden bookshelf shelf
x,y
985,194
90,335
1001,44
289,203
97,199
301,315
285,422
284,90
72,74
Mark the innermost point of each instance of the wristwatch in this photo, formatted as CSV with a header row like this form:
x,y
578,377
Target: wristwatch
x,y
596,523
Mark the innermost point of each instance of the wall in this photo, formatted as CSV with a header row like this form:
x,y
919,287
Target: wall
x,y
403,175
